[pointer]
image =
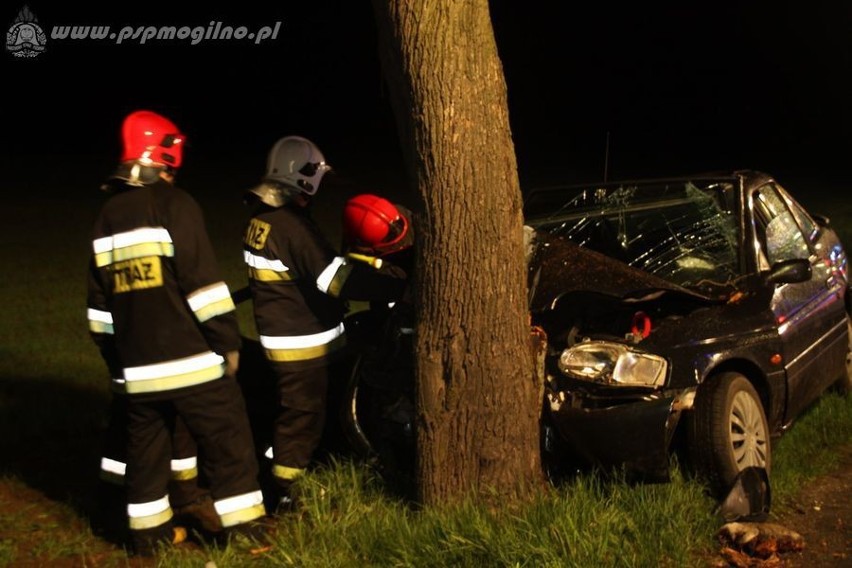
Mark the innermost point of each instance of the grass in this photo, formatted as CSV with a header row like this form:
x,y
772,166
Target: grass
x,y
586,522
804,451
349,521
53,393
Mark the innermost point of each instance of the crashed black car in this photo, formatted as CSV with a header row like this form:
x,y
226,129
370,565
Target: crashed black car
x,y
703,313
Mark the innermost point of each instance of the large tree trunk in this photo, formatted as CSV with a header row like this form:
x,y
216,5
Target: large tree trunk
x,y
478,395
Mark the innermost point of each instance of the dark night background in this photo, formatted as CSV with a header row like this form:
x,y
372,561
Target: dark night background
x,y
694,87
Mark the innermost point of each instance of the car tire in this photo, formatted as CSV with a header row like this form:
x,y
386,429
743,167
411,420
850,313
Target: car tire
x,y
356,402
729,431
843,385
372,431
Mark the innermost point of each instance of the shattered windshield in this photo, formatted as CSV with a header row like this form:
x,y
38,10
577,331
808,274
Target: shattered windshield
x,y
684,232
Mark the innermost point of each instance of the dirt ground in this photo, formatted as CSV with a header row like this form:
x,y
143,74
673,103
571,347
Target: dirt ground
x,y
821,513
812,531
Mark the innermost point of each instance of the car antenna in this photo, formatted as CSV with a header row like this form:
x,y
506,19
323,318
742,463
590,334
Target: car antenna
x,y
606,157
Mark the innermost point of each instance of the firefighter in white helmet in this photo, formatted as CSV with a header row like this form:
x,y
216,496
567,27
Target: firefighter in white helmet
x,y
298,284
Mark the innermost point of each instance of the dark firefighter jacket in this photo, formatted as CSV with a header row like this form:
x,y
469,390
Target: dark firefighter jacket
x,y
299,284
157,307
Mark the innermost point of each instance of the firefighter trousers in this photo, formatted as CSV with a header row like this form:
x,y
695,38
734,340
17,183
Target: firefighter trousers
x,y
184,487
299,421
215,415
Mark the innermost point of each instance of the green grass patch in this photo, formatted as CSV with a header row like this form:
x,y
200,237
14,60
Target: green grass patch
x,y
804,452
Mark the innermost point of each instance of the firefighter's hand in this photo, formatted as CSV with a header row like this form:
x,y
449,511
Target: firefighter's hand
x,y
232,363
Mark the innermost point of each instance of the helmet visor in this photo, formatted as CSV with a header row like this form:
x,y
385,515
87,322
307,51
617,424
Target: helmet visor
x,y
396,230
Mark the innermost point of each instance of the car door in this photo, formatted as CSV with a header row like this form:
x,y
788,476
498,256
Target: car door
x,y
810,315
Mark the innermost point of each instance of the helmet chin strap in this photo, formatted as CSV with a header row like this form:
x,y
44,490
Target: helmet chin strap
x,y
140,174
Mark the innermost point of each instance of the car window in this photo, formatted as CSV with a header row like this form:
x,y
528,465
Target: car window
x,y
809,227
778,233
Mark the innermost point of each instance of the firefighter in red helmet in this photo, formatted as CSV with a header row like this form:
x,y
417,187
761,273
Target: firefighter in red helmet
x,y
166,326
148,152
299,284
381,233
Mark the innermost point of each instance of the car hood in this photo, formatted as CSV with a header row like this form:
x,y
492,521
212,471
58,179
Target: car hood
x,y
558,266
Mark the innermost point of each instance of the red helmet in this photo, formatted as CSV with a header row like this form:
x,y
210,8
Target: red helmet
x,y
370,221
152,139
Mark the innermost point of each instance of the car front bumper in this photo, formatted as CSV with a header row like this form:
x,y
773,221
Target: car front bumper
x,y
634,434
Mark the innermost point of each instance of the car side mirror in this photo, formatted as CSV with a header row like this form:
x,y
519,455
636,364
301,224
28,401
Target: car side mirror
x,y
789,271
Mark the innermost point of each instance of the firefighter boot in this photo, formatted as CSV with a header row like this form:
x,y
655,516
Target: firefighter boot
x,y
200,515
193,506
287,498
147,542
255,536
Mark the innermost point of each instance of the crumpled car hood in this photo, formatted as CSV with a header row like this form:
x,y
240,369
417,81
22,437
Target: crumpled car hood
x,y
558,266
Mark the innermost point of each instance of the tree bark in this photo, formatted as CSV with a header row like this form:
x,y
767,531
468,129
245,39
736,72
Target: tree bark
x,y
478,394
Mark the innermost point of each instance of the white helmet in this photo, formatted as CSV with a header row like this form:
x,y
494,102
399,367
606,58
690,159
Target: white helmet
x,y
296,162
295,165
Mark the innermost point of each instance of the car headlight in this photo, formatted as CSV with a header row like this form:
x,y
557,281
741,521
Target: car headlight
x,y
613,364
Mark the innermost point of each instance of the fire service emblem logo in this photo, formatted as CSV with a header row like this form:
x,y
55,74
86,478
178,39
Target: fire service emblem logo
x,y
25,38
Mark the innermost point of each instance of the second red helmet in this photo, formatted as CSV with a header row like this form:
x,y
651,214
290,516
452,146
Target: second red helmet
x,y
370,221
151,139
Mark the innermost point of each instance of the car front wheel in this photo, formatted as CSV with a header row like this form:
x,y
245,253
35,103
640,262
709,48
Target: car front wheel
x,y
729,431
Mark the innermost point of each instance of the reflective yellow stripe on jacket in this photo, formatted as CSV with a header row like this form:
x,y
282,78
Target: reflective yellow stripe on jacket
x,y
145,241
174,374
332,278
265,270
100,321
211,301
303,347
